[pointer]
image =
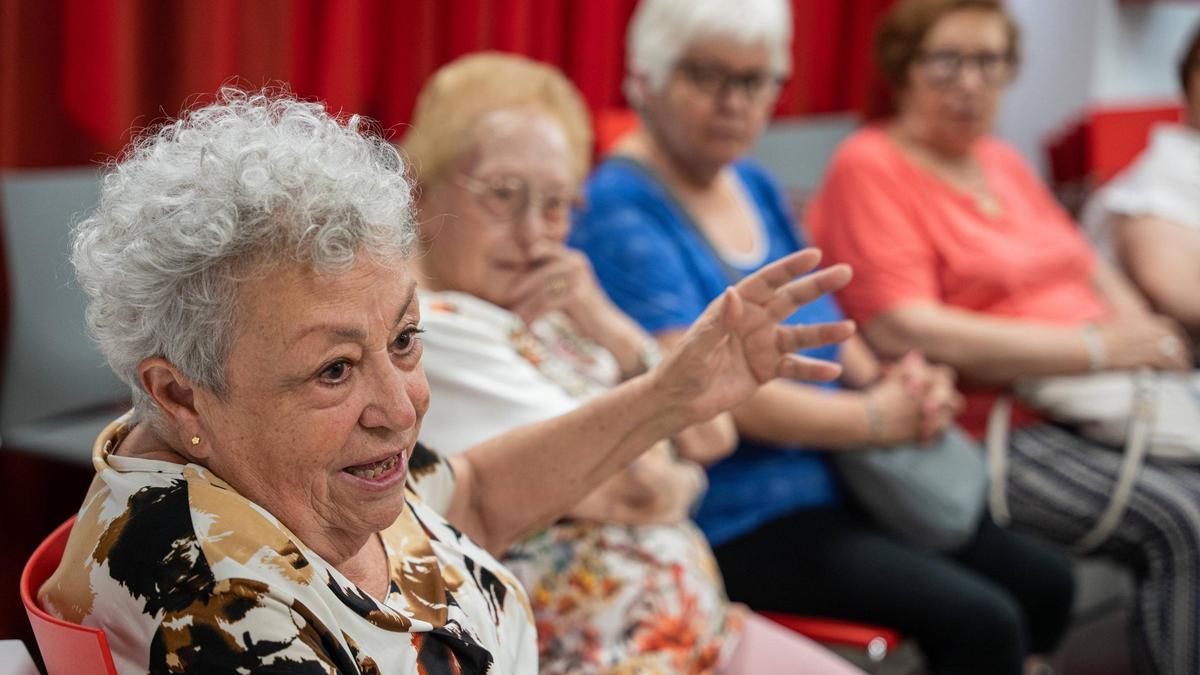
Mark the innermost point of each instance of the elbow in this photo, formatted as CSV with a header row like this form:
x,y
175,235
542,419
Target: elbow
x,y
892,337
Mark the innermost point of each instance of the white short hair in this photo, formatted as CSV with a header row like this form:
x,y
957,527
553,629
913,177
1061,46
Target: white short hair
x,y
198,206
662,30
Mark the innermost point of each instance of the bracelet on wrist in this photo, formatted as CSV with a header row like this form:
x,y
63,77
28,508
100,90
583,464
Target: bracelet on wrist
x,y
1097,359
874,420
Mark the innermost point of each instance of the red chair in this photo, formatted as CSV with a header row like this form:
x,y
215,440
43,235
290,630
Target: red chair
x,y
876,643
66,647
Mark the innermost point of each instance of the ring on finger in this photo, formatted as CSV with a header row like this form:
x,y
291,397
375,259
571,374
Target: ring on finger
x,y
1168,346
558,286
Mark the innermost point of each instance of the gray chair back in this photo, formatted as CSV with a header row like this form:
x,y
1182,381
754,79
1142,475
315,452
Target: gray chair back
x,y
57,391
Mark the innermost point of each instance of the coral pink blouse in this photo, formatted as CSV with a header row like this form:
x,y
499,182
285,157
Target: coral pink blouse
x,y
910,237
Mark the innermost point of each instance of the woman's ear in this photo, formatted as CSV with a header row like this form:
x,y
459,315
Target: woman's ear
x,y
174,394
636,88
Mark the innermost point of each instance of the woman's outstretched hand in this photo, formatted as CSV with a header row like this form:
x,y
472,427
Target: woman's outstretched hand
x,y
739,343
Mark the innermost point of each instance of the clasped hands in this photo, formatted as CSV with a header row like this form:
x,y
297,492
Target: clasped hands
x,y
913,400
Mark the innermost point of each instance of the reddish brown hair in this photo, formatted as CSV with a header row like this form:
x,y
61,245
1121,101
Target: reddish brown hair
x,y
1190,61
903,29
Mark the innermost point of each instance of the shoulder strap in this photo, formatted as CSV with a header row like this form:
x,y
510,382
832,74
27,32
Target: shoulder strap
x,y
732,274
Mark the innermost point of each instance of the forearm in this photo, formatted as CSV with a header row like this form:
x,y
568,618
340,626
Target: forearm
x,y
1120,295
786,413
982,348
1180,301
1161,258
707,442
1181,304
860,367
621,337
497,500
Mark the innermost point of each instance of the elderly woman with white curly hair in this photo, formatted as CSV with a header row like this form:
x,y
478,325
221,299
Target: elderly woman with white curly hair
x,y
266,506
677,213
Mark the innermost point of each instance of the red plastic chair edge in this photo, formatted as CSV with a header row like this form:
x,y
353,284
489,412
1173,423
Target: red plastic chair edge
x,y
833,631
36,613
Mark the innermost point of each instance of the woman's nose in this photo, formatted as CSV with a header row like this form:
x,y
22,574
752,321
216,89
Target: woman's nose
x,y
530,228
391,405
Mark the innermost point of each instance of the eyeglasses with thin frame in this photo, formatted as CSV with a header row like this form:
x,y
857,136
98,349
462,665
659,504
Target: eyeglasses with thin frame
x,y
507,199
717,81
942,67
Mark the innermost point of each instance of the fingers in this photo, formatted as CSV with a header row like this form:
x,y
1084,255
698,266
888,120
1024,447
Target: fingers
x,y
791,295
548,288
1172,347
761,285
795,338
537,279
796,367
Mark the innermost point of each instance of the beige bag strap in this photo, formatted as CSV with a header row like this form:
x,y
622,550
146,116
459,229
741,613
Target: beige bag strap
x,y
999,421
1137,443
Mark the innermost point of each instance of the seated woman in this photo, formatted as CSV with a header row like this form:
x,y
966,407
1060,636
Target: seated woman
x,y
960,251
266,506
1147,219
671,219
518,331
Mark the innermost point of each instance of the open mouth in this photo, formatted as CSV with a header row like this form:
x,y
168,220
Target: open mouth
x,y
377,472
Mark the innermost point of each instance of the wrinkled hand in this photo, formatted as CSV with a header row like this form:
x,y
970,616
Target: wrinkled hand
x,y
654,490
1146,341
563,281
738,343
708,442
933,393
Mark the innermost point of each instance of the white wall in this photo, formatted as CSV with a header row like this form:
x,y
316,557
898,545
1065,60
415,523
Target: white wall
x,y
1083,54
1140,46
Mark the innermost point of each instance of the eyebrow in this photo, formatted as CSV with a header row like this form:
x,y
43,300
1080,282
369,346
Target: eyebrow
x,y
356,334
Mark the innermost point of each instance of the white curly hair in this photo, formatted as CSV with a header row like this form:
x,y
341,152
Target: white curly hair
x,y
662,30
229,190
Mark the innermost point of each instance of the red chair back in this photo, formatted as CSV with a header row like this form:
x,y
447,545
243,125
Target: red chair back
x,y
66,647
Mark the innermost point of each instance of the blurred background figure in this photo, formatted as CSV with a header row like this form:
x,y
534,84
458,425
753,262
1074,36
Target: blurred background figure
x,y
960,251
672,217
1147,219
518,331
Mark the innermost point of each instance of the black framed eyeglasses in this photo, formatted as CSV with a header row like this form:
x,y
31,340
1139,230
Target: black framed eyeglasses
x,y
506,198
944,66
715,80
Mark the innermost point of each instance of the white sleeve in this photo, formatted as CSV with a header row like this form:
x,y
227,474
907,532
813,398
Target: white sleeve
x,y
1164,181
480,387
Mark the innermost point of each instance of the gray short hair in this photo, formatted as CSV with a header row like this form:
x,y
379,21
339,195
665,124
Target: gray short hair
x,y
199,205
661,30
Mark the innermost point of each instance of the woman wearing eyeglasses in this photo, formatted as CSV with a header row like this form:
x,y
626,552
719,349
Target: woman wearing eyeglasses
x,y
959,250
676,214
518,331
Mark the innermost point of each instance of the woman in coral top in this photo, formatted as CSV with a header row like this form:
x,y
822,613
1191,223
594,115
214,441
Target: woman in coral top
x,y
960,251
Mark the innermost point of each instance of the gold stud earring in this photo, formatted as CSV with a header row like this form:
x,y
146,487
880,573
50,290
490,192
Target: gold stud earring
x,y
195,440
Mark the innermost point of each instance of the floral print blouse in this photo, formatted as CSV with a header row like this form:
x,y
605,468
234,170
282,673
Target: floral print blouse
x,y
187,576
607,598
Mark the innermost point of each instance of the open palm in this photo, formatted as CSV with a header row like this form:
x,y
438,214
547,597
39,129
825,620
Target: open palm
x,y
739,343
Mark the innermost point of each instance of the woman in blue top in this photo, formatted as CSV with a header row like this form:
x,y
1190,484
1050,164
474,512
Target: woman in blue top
x,y
675,216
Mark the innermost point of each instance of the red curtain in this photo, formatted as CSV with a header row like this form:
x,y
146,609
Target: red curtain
x,y
77,75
